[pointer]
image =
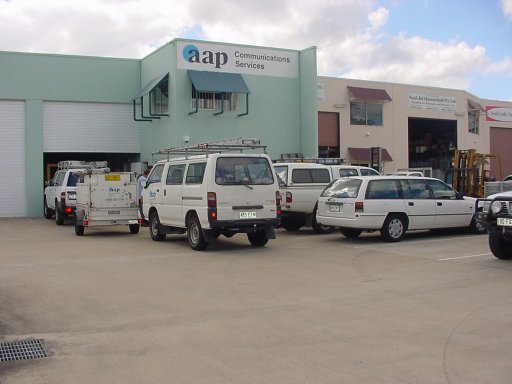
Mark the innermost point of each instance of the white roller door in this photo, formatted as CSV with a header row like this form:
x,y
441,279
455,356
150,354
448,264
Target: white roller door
x,y
13,194
90,127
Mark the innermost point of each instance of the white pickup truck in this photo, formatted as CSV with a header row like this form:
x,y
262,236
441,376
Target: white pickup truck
x,y
60,192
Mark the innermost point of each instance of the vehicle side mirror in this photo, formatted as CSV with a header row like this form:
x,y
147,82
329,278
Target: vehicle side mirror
x,y
459,195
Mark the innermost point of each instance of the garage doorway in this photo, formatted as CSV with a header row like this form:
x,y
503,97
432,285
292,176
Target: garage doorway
x,y
118,162
432,144
328,134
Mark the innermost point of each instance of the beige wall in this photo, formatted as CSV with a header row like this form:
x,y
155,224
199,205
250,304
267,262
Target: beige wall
x,y
393,135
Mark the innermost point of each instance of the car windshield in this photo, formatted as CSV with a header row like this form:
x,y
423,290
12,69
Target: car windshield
x,y
343,188
243,171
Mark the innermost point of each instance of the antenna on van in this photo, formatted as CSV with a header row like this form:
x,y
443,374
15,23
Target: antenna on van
x,y
229,145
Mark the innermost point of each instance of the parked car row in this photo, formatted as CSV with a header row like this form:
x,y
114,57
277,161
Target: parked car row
x,y
209,195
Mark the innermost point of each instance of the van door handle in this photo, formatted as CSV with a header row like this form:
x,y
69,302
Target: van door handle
x,y
411,203
165,192
439,204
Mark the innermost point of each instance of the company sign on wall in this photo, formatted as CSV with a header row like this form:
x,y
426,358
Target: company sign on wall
x,y
233,59
498,114
432,103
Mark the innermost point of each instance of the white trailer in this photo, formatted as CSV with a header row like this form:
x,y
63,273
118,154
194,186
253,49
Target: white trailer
x,y
106,198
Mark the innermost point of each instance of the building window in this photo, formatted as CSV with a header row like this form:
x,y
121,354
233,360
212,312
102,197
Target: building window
x,y
474,122
365,113
160,98
213,100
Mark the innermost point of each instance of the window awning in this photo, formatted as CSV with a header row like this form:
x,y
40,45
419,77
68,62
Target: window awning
x,y
474,106
364,154
371,94
218,82
150,86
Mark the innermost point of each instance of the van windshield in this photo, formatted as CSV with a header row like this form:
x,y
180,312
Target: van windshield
x,y
343,188
243,171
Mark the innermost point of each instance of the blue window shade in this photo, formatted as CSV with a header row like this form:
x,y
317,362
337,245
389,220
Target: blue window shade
x,y
218,82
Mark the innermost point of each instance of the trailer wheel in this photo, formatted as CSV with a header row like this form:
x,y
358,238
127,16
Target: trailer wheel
x,y
134,228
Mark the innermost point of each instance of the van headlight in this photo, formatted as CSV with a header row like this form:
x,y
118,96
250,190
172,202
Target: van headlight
x,y
496,207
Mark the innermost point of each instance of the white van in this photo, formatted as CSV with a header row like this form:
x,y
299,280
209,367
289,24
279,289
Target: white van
x,y
211,195
394,205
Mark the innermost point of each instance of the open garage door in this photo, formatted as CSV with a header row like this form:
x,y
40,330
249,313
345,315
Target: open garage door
x,y
432,144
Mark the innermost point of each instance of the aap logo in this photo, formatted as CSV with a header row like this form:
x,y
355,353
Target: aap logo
x,y
193,55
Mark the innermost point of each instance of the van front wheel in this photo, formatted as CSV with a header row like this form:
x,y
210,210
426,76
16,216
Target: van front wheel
x,y
195,235
154,227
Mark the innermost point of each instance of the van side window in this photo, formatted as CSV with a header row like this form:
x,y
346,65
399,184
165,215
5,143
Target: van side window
x,y
442,190
419,189
156,174
195,173
175,174
71,180
382,189
310,176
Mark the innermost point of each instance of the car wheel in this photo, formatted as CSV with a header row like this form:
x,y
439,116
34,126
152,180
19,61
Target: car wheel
x,y
500,248
319,228
48,213
292,224
79,230
394,228
195,235
134,228
351,233
476,227
59,216
154,227
258,238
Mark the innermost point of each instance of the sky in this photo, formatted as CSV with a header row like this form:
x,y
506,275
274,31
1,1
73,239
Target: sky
x,y
461,44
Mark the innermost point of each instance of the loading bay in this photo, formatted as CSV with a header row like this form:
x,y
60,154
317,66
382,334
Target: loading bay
x,y
113,307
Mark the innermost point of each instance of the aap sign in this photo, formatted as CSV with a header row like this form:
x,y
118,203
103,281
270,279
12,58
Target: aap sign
x,y
232,59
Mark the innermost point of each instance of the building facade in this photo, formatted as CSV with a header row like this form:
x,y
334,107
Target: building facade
x,y
62,107
58,107
415,126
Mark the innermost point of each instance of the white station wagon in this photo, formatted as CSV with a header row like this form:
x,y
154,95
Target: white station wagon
x,y
394,205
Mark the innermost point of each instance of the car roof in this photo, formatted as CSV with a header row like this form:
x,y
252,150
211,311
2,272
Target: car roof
x,y
388,177
301,165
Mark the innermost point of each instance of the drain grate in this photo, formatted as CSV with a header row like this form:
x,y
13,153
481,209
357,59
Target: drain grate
x,y
23,350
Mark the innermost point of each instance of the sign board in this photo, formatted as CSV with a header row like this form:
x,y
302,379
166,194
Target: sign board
x,y
236,59
432,103
498,114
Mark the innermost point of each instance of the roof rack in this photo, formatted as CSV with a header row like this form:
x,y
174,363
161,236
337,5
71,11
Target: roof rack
x,y
74,164
318,160
230,145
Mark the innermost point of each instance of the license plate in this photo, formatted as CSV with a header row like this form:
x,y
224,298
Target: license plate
x,y
504,222
114,212
247,215
133,221
334,208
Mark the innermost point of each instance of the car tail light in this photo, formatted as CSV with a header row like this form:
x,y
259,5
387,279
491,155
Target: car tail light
x,y
359,206
140,221
289,198
68,210
212,206
63,197
278,203
86,223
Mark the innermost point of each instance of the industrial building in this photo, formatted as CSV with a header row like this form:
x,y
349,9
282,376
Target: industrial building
x,y
63,107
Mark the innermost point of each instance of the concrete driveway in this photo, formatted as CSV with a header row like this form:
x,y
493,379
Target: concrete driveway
x,y
114,307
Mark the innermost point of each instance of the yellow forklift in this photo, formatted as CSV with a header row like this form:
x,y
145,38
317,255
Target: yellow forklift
x,y
471,171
